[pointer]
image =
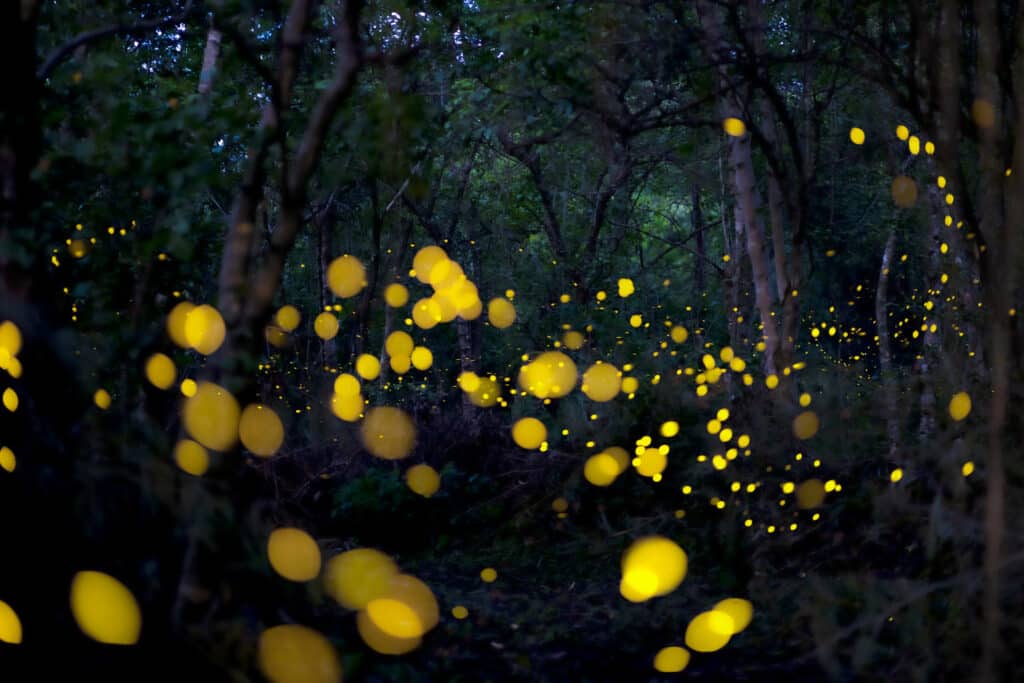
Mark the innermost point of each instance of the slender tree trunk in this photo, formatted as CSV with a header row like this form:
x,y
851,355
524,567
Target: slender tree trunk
x,y
885,351
998,230
325,221
699,265
744,184
211,54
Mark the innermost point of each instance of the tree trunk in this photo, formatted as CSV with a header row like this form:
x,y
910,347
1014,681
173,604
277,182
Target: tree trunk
x,y
699,266
325,221
744,184
211,54
891,406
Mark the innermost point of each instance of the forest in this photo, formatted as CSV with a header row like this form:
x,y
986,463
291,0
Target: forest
x,y
482,340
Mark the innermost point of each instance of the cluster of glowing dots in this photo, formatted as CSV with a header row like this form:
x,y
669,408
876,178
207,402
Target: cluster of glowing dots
x,y
717,427
650,460
711,372
403,354
652,567
454,294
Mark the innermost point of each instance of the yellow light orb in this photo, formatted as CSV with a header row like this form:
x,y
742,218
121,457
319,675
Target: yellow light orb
x,y
260,430
740,611
188,387
204,329
960,406
551,375
426,313
288,318
488,575
904,192
630,384
399,344
620,456
651,567
626,287
7,460
368,366
356,577
396,295
10,625
709,631
11,401
346,276
104,609
734,127
346,385
671,660
601,382
805,425
422,358
211,417
101,398
290,653
501,313
191,457
160,371
679,334
425,260
326,326
651,462
276,337
400,364
379,641
293,554
529,433
810,494
408,609
669,429
10,338
601,469
388,433
423,479
347,408
857,136
460,612
176,324
573,340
